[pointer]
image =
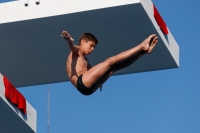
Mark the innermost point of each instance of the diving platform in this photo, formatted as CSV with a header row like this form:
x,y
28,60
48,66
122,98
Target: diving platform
x,y
12,118
32,51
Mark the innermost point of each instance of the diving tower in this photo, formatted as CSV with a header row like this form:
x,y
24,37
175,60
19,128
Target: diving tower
x,y
12,118
32,51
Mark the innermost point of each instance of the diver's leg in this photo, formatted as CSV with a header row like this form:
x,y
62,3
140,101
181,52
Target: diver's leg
x,y
117,67
95,73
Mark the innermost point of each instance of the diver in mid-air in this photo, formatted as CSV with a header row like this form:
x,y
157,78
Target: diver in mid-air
x,y
88,79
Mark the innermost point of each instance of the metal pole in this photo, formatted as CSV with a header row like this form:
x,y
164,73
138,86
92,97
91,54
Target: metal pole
x,y
48,110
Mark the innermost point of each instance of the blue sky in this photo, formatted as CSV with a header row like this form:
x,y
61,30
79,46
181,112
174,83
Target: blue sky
x,y
165,101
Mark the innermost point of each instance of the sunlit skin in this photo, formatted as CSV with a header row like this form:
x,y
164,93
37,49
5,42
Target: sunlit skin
x,y
95,76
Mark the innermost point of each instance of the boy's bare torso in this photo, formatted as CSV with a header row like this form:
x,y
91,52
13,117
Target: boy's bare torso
x,y
76,65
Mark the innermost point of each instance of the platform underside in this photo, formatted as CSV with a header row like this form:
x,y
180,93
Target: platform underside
x,y
32,51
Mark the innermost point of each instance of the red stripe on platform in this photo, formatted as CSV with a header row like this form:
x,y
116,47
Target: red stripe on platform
x,y
160,21
14,96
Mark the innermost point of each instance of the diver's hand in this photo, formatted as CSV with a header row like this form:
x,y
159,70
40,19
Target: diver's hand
x,y
66,36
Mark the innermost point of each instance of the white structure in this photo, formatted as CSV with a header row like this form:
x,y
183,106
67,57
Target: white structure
x,y
32,51
12,120
26,2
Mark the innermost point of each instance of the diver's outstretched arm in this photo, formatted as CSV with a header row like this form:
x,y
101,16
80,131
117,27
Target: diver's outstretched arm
x,y
70,41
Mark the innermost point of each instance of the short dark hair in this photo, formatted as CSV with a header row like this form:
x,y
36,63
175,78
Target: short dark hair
x,y
88,37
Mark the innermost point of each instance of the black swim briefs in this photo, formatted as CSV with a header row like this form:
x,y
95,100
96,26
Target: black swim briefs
x,y
82,88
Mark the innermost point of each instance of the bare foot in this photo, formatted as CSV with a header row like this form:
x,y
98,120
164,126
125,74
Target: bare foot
x,y
153,43
66,36
149,43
